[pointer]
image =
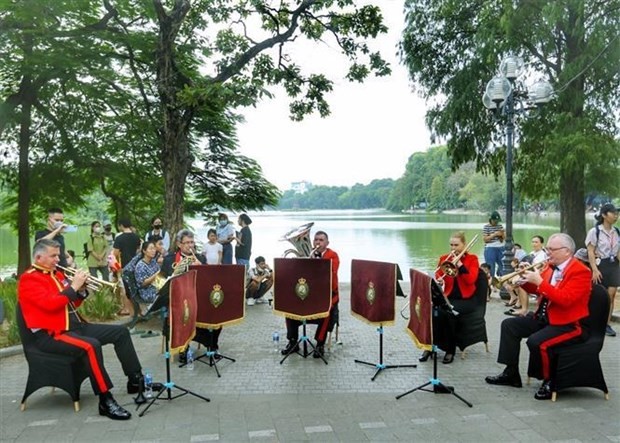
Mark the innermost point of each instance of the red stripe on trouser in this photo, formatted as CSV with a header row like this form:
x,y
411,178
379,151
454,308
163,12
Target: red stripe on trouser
x,y
544,346
92,358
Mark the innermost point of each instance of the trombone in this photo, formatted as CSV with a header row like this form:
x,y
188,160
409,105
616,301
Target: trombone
x,y
448,266
92,283
506,278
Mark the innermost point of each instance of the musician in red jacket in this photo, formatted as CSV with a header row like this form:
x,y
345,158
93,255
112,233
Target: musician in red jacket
x,y
459,289
563,289
325,325
48,302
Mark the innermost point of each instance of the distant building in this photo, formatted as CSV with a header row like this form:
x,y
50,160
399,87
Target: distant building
x,y
301,187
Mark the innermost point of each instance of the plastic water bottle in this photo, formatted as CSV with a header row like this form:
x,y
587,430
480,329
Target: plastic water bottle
x,y
190,359
276,341
148,384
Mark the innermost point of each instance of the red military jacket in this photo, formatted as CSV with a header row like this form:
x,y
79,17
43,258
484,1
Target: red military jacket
x,y
329,254
465,280
44,298
568,300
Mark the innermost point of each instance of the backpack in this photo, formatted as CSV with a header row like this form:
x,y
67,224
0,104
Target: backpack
x,y
86,252
598,233
129,276
150,235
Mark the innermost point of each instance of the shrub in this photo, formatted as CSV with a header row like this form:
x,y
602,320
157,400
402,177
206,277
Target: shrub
x,y
8,295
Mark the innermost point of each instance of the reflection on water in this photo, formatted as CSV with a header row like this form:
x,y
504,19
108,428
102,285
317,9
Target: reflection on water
x,y
410,240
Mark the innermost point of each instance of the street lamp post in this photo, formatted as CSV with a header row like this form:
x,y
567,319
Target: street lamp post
x,y
502,93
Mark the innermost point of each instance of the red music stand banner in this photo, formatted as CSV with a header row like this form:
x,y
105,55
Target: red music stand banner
x,y
302,288
420,326
182,310
373,291
220,291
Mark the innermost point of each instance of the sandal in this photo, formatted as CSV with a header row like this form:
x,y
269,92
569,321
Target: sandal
x,y
123,313
510,304
511,312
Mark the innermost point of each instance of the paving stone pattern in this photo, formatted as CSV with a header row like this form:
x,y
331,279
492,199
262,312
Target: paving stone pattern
x,y
258,399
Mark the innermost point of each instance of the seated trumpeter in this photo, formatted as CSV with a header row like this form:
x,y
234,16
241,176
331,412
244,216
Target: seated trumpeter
x,y
49,302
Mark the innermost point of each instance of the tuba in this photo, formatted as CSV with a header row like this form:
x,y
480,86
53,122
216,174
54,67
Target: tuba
x,y
300,239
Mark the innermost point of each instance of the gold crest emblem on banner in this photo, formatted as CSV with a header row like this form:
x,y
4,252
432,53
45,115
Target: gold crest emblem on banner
x,y
371,293
185,312
217,296
418,307
302,290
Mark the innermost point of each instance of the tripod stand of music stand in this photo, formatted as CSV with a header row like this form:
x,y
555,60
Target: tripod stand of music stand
x,y
437,386
303,343
211,359
381,366
160,304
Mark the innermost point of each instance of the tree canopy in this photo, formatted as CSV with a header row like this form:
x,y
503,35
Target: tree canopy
x,y
453,47
141,99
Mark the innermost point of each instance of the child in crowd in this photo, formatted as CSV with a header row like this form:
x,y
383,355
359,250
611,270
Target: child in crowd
x,y
213,250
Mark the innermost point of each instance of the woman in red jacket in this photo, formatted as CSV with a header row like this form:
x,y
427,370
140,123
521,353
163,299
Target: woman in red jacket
x,y
459,290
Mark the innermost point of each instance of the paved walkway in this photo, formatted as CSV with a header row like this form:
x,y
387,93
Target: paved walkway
x,y
257,399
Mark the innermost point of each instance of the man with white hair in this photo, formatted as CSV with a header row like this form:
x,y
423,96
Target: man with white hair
x,y
563,289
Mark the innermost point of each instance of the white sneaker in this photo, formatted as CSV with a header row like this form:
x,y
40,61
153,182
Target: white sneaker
x,y
261,300
251,301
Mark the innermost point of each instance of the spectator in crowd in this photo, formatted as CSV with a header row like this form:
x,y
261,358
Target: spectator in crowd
x,y
493,236
55,228
158,230
243,250
213,250
603,243
96,252
225,235
259,281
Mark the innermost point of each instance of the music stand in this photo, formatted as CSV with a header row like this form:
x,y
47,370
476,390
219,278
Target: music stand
x,y
438,301
161,302
374,286
220,297
303,294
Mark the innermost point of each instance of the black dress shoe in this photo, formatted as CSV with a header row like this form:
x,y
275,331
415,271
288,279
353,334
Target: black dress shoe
x,y
505,379
291,347
134,383
447,359
544,392
133,387
425,356
113,410
182,357
319,351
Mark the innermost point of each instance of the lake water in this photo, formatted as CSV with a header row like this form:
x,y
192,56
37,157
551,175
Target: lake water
x,y
410,240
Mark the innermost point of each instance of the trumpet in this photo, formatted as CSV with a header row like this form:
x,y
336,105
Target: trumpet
x,y
92,283
448,266
506,278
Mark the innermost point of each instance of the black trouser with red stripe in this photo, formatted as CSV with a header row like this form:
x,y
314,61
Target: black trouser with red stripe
x,y
541,339
85,340
325,325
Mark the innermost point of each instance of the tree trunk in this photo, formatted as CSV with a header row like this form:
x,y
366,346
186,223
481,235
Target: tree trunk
x,y
572,205
27,96
175,154
572,175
